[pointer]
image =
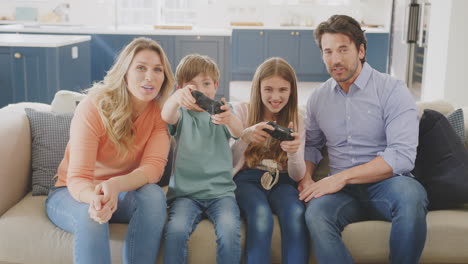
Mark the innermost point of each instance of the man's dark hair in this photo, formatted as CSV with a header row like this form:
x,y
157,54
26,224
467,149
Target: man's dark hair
x,y
345,25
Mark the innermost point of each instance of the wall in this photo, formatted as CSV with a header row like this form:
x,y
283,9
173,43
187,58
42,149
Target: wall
x,y
447,55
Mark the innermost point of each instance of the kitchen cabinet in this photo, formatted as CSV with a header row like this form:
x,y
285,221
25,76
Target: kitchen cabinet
x,y
216,47
106,47
35,73
251,47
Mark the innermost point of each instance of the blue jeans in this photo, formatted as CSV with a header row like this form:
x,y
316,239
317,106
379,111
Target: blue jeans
x,y
185,214
258,205
144,209
399,199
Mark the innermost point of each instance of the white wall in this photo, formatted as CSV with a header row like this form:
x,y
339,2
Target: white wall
x,y
447,54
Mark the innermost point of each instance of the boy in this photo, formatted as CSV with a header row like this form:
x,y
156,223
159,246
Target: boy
x,y
201,185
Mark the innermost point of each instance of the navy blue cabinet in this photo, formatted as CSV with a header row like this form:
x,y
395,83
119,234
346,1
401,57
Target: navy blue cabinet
x,y
216,47
106,47
378,50
298,47
35,74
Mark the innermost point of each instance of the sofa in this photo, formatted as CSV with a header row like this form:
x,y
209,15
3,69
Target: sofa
x,y
27,235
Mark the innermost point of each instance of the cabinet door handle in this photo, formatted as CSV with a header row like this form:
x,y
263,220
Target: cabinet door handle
x,y
297,33
261,33
198,37
292,33
18,55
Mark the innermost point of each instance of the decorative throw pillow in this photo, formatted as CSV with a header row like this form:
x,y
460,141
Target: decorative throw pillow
x,y
457,121
49,138
441,162
66,101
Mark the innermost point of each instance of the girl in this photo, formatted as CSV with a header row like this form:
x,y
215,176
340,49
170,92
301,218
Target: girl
x,y
117,150
266,170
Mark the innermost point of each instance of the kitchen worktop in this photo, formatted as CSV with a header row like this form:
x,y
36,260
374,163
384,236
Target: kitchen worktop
x,y
36,40
148,30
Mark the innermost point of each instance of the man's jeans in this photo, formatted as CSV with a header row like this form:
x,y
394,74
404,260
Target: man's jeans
x,y
401,200
258,205
184,216
144,209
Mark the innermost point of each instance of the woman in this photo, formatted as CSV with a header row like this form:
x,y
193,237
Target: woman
x,y
117,150
267,170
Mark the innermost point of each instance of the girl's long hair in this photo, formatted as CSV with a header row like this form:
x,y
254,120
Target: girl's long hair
x,y
255,153
112,98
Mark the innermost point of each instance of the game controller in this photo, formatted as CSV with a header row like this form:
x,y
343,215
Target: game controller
x,y
279,132
211,106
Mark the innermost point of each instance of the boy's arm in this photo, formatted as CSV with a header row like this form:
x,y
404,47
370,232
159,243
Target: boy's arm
x,y
169,111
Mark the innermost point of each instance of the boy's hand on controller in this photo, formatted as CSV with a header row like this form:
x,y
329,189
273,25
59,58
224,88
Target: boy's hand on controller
x,y
255,133
185,98
222,118
293,145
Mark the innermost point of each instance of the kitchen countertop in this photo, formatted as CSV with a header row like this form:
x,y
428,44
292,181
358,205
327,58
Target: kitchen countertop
x,y
148,30
37,40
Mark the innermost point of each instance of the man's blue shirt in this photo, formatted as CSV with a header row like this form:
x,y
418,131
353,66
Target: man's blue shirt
x,y
378,116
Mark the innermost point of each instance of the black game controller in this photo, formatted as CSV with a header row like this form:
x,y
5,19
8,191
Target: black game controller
x,y
211,106
280,133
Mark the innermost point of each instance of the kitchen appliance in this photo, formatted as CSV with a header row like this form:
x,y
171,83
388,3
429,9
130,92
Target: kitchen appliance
x,y
409,35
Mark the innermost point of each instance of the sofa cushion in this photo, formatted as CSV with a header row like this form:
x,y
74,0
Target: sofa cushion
x,y
441,162
456,119
49,137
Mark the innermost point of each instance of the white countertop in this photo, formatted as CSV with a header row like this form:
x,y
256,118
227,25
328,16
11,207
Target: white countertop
x,y
39,40
148,30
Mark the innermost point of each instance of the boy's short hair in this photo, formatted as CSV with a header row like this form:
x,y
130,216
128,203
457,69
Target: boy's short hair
x,y
192,65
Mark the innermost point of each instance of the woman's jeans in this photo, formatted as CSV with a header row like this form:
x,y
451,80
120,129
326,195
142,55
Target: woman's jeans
x,y
258,205
399,199
185,214
144,209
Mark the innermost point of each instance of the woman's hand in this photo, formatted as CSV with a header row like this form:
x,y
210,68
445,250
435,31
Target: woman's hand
x,y
98,212
110,190
255,133
185,98
293,145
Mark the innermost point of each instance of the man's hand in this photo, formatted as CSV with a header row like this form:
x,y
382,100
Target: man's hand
x,y
305,182
327,185
293,145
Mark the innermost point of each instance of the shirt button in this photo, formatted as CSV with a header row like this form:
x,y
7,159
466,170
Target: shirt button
x,y
349,117
352,159
349,137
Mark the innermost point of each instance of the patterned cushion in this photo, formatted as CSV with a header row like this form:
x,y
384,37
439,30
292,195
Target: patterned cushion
x,y
49,137
457,121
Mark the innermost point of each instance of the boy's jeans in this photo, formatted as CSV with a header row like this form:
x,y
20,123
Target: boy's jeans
x,y
186,213
399,199
144,209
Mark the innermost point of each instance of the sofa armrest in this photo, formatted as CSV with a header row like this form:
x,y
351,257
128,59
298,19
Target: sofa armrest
x,y
15,157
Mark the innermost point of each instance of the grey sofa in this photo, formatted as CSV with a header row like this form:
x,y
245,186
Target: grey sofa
x,y
27,235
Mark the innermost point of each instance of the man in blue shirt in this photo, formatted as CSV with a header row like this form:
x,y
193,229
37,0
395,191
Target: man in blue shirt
x,y
369,123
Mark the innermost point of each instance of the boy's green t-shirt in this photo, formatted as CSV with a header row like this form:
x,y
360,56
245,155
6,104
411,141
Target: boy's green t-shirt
x,y
202,167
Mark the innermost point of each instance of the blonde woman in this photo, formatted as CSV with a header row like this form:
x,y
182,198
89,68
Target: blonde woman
x,y
267,170
117,150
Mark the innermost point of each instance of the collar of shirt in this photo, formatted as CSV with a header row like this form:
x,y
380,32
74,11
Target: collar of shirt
x,y
361,80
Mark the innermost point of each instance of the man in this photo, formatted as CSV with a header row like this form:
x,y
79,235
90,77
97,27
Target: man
x,y
369,123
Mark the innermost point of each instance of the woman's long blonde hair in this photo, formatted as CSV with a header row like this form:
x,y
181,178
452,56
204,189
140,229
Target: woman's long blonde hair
x,y
112,98
255,153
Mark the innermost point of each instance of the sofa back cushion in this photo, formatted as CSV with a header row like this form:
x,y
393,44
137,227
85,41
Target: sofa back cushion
x,y
441,162
49,138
